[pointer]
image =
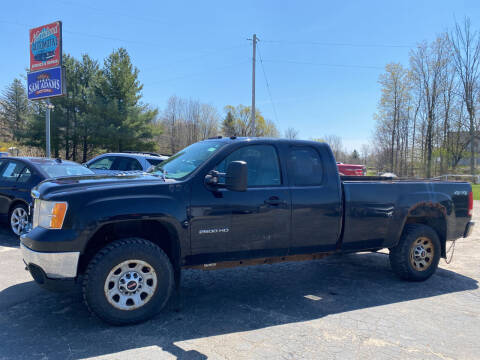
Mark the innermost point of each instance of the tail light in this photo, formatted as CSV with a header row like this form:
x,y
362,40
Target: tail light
x,y
470,203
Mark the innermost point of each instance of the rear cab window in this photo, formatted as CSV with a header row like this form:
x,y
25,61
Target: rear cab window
x,y
305,166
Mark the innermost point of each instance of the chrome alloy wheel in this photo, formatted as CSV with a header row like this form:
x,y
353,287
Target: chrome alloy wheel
x,y
422,253
130,285
18,220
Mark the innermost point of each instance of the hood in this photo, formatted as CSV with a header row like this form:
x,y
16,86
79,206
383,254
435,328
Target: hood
x,y
75,184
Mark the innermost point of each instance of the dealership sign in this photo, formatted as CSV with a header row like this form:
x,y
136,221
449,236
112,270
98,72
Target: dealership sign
x,y
46,46
46,83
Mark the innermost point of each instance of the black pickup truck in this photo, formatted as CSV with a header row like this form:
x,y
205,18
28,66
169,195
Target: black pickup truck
x,y
227,202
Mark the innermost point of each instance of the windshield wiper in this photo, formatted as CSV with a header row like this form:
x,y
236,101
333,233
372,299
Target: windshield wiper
x,y
162,172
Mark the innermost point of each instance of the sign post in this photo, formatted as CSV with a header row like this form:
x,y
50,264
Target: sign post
x,y
47,127
46,78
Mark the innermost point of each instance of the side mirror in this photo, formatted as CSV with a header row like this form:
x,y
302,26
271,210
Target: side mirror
x,y
236,176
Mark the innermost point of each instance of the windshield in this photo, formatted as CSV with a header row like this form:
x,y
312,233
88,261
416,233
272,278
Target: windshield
x,y
187,160
65,169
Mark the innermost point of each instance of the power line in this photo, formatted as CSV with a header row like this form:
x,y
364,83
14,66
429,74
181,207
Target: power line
x,y
327,65
147,43
268,85
335,44
197,74
207,53
103,37
96,10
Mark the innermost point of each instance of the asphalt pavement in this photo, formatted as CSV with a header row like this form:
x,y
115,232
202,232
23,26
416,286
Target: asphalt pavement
x,y
342,307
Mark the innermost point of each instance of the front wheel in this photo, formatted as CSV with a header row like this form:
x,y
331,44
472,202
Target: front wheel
x,y
416,256
128,281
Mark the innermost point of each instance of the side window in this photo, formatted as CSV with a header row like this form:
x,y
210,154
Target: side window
x,y
305,167
11,171
104,163
154,162
25,175
127,164
262,163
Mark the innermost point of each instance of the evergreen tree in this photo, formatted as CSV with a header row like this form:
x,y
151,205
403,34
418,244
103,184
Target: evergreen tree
x,y
14,111
228,125
125,124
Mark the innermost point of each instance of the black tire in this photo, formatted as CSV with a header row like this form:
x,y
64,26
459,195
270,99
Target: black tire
x,y
111,256
402,256
21,206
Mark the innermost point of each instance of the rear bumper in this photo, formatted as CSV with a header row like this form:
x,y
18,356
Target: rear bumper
x,y
468,228
55,265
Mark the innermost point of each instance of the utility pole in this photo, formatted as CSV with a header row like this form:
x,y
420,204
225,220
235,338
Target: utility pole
x,y
254,43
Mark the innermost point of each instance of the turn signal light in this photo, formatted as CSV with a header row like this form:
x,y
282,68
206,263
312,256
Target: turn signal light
x,y
58,214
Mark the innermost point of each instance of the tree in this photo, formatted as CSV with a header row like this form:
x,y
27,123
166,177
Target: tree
x,y
187,121
336,144
125,124
466,57
365,152
88,75
355,157
14,111
428,63
228,125
243,124
393,113
291,133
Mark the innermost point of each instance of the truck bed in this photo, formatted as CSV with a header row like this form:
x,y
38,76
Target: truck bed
x,y
376,208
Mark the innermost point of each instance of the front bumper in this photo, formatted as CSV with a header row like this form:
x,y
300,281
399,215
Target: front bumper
x,y
55,265
468,228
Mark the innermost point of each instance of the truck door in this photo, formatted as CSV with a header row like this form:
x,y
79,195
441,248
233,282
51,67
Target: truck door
x,y
229,225
316,200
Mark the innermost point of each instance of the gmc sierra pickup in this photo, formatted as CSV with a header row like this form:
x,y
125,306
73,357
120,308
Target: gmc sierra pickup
x,y
228,202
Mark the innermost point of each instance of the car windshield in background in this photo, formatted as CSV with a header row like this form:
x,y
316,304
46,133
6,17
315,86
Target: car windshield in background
x,y
65,169
187,160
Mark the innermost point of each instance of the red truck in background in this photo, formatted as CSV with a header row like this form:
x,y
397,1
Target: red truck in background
x,y
351,169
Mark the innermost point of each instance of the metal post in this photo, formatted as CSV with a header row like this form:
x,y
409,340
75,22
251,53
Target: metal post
x,y
254,42
47,127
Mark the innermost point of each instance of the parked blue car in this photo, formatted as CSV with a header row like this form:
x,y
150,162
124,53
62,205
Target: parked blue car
x,y
116,163
18,175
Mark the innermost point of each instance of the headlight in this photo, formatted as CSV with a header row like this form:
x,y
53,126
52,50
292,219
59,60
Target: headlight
x,y
49,214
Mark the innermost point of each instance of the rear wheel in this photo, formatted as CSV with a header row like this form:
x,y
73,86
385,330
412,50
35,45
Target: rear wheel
x,y
18,219
416,256
128,281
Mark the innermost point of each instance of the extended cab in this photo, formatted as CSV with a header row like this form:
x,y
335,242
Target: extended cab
x,y
227,202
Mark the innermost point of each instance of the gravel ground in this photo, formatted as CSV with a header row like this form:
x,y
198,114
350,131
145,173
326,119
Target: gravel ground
x,y
342,307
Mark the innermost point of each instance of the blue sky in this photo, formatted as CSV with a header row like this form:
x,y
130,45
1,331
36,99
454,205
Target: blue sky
x,y
322,59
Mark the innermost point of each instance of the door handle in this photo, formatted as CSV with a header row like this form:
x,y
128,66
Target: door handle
x,y
275,201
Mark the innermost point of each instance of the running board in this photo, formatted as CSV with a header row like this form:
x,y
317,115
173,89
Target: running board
x,y
259,261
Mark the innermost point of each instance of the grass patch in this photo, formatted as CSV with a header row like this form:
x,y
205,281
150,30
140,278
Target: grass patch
x,y
476,191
